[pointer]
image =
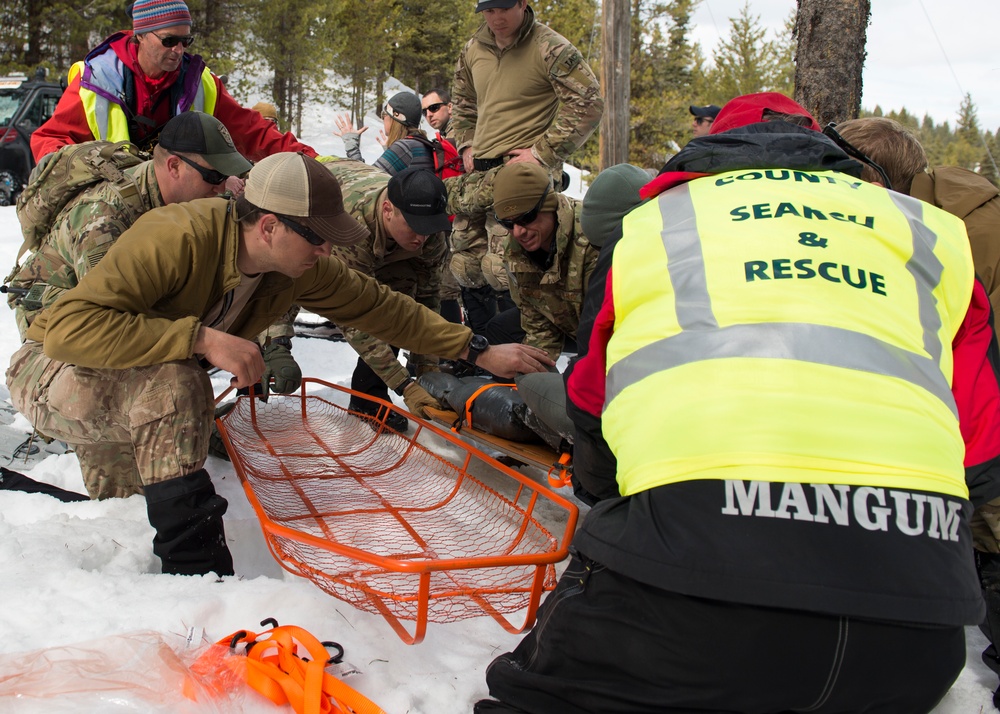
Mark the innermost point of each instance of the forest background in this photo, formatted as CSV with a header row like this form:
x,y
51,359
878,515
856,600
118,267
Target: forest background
x,y
294,44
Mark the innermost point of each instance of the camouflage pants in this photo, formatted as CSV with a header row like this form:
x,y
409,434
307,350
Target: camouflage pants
x,y
986,527
477,240
450,289
130,427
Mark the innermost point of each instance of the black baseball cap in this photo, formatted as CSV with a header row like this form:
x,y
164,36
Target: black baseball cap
x,y
488,4
709,112
422,199
202,134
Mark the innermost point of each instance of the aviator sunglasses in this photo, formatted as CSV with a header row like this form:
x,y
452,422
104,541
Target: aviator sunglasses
x,y
174,40
525,218
210,176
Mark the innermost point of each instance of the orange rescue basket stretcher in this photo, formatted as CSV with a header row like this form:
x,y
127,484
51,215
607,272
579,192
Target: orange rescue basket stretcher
x,y
378,519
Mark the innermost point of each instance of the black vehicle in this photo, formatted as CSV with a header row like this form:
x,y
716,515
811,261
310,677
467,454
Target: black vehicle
x,y
24,105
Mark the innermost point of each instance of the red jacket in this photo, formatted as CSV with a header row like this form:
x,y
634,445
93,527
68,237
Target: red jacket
x,y
254,136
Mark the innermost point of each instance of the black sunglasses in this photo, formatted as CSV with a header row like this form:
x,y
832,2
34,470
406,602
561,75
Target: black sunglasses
x,y
431,108
703,120
855,153
525,218
174,40
308,233
210,176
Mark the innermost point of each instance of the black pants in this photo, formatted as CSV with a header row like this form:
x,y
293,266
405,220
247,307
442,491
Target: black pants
x,y
481,304
366,381
607,644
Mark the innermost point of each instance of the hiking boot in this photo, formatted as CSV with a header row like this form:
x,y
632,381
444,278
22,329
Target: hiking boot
x,y
394,421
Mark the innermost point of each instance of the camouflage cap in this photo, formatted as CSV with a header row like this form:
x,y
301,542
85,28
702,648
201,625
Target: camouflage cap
x,y
488,4
518,187
613,193
297,186
198,133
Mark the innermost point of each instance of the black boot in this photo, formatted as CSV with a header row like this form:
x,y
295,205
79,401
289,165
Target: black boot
x,y
187,515
988,565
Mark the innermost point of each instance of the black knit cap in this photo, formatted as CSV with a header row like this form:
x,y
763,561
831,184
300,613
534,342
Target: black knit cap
x,y
203,134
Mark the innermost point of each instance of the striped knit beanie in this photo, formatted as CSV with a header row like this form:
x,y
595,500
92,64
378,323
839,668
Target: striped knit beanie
x,y
149,15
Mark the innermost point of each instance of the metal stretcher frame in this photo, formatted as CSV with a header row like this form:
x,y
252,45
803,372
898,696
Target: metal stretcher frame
x,y
378,519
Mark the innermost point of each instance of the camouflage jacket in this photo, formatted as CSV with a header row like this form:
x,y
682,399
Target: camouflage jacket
x,y
413,273
551,300
538,93
81,234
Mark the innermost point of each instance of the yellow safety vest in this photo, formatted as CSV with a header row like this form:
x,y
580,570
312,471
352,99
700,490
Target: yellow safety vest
x,y
787,326
107,119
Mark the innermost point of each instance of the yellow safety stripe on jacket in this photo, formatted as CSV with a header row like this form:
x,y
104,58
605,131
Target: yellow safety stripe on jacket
x,y
803,339
107,120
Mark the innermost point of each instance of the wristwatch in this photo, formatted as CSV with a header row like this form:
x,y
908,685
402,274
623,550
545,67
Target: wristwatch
x,y
477,346
405,383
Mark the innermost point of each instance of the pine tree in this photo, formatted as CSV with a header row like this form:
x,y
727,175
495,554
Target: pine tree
x,y
746,61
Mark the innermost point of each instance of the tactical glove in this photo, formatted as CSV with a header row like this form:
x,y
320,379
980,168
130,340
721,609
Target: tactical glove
x,y
416,398
281,366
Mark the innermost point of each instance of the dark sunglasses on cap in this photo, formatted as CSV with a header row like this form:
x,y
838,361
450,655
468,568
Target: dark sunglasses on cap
x,y
431,108
174,40
848,148
525,218
210,176
310,236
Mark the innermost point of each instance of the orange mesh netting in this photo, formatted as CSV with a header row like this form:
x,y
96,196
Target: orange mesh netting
x,y
377,519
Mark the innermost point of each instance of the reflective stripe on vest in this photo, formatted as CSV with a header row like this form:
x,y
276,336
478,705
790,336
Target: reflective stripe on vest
x,y
102,96
695,339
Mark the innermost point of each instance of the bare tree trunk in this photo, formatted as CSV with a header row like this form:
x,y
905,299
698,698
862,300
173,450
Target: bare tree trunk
x,y
615,79
830,37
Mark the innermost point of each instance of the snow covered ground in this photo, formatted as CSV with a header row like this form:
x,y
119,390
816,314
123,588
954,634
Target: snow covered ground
x,y
71,573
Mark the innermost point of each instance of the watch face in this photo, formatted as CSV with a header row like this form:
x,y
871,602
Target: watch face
x,y
478,343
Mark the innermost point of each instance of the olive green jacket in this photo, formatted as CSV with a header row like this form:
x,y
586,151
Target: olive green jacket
x,y
144,302
538,93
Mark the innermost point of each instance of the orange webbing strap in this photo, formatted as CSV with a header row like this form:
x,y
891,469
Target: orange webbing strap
x,y
560,473
472,398
273,668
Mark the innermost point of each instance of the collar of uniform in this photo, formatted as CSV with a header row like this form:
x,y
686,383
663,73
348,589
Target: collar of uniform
x,y
527,25
145,175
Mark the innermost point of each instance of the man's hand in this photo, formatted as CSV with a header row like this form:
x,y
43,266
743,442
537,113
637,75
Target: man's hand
x,y
467,160
416,398
282,367
239,357
518,156
512,359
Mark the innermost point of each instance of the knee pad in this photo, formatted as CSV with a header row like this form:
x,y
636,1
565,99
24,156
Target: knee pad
x,y
495,272
467,269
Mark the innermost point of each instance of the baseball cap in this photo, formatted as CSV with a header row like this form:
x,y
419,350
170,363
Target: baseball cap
x,y
422,199
297,186
266,110
709,112
203,134
749,109
488,4
405,108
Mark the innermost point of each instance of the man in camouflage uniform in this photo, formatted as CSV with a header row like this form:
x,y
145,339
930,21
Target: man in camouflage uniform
x,y
405,215
521,93
89,225
121,357
548,258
